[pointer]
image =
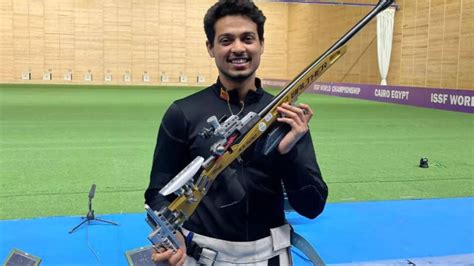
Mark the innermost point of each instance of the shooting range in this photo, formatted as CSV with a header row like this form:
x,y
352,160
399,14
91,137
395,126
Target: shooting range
x,y
84,85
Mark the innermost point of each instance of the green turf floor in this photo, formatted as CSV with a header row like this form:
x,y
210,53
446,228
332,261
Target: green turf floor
x,y
58,140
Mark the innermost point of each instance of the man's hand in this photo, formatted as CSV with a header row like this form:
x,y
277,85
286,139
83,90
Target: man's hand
x,y
297,117
163,255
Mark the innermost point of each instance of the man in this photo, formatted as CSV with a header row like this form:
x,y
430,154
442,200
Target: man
x,y
241,219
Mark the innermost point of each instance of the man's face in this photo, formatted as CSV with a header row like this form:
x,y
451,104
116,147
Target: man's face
x,y
236,48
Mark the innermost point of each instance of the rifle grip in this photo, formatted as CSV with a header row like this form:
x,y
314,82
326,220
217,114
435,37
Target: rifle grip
x,y
274,137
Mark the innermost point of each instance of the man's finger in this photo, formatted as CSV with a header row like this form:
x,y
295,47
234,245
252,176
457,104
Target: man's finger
x,y
302,110
288,121
296,109
161,257
173,260
290,113
308,112
182,260
159,249
306,108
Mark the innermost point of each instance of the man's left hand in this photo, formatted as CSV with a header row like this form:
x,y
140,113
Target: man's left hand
x,y
297,117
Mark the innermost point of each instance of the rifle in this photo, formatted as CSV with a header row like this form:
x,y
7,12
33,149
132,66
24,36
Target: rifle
x,y
235,135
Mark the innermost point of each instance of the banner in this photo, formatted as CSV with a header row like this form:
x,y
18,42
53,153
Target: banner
x,y
445,99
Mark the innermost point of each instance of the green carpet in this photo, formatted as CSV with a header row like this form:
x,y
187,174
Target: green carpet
x,y
58,140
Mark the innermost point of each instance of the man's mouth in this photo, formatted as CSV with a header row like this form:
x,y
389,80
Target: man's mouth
x,y
239,62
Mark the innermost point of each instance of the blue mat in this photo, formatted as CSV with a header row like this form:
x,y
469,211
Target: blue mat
x,y
345,233
463,259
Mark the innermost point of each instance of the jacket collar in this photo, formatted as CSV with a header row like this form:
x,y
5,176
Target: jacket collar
x,y
233,95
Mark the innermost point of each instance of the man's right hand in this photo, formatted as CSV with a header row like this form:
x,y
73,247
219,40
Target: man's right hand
x,y
163,255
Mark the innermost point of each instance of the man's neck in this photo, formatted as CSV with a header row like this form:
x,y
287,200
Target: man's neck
x,y
243,87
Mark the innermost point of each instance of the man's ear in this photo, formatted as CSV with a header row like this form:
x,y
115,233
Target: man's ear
x,y
210,49
262,45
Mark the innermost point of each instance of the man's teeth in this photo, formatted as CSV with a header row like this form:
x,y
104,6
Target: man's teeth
x,y
239,61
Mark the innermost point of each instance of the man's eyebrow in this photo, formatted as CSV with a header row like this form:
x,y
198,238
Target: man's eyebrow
x,y
242,34
225,35
249,33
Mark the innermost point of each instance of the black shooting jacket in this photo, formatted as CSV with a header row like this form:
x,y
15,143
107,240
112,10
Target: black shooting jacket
x,y
246,200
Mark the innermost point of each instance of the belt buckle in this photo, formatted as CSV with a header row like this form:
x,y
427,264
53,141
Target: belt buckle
x,y
208,256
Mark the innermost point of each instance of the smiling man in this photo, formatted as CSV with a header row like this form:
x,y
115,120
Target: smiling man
x,y
241,219
236,46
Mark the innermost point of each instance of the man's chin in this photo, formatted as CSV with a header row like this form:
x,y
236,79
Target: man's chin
x,y
237,77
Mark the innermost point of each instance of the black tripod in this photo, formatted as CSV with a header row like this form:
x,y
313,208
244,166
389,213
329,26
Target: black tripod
x,y
90,215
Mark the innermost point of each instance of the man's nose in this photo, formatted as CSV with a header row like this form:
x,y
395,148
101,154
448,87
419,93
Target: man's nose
x,y
238,47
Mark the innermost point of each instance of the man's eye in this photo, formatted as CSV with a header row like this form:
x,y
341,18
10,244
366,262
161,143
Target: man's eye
x,y
225,41
249,39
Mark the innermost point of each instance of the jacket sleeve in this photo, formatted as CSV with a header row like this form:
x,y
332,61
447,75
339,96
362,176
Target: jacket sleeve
x,y
305,188
170,156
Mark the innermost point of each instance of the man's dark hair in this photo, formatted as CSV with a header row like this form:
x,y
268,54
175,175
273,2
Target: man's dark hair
x,y
229,8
